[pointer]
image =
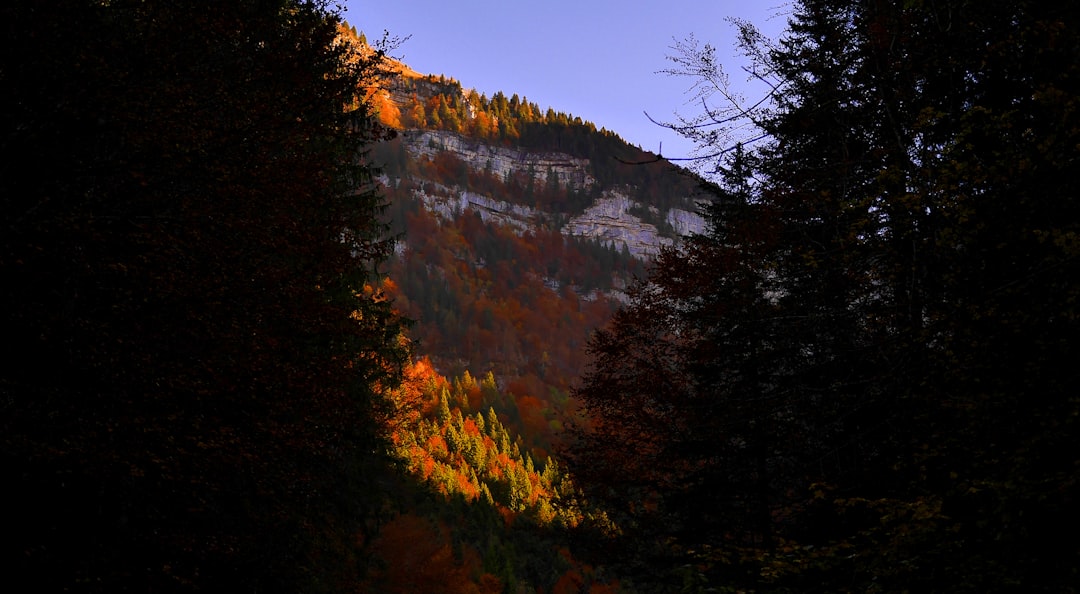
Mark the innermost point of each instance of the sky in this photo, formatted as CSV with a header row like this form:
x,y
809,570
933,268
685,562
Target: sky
x,y
594,59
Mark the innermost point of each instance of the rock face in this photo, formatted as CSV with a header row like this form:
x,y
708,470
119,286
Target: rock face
x,y
501,161
684,222
609,220
448,203
615,218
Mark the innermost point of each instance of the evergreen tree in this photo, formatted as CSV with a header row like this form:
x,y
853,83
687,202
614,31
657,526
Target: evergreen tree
x,y
444,407
858,376
191,225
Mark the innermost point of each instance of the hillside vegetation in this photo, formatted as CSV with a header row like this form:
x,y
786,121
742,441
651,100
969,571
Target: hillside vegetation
x,y
282,315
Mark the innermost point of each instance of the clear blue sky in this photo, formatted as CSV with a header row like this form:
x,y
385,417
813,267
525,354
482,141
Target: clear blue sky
x,y
595,59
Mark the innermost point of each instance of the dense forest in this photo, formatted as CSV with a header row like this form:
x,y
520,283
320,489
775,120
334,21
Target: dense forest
x,y
224,372
194,354
862,377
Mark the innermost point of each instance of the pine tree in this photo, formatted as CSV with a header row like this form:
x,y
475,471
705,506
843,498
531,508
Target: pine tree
x,y
443,414
192,272
866,351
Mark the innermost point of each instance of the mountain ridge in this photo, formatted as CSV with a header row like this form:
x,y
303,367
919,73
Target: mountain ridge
x,y
508,138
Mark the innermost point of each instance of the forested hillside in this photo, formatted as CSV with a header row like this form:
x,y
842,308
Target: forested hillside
x,y
502,263
474,510
504,268
282,315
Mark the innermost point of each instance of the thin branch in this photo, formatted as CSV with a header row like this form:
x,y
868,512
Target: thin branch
x,y
719,153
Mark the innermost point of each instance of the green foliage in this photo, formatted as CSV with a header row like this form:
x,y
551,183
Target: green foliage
x,y
196,367
494,498
482,294
462,454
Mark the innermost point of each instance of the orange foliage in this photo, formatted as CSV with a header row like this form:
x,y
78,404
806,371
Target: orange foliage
x,y
390,288
386,110
475,398
436,445
570,582
471,428
466,487
501,461
532,415
418,558
428,468
408,399
478,292
508,515
579,578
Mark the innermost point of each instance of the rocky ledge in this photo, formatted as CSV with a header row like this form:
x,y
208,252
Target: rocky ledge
x,y
501,161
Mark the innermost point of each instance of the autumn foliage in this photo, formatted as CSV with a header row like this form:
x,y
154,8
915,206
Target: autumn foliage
x,y
477,512
464,451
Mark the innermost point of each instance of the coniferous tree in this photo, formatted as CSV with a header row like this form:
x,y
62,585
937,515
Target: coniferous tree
x,y
856,377
193,394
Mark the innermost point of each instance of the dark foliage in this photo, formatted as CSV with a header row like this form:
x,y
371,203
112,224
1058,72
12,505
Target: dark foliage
x,y
192,364
860,378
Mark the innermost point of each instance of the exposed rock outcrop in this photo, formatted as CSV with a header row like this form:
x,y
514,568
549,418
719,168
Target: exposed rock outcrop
x,y
501,161
610,221
684,222
448,203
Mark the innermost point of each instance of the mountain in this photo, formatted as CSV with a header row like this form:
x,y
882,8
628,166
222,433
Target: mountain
x,y
520,228
626,197
519,231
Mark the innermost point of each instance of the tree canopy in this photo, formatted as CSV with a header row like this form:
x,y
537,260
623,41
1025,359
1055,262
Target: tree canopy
x,y
193,363
859,378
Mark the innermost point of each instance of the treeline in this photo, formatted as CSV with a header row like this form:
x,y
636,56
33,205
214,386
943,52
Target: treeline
x,y
512,122
438,103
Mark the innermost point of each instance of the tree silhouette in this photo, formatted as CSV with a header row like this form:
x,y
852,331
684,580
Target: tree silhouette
x,y
856,379
195,370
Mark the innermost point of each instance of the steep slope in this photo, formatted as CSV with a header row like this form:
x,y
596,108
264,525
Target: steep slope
x,y
651,202
521,228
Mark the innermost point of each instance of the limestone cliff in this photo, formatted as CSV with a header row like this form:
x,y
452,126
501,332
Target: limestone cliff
x,y
619,213
609,219
500,160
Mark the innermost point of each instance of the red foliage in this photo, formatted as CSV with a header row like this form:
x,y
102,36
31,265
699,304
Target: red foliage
x,y
436,445
570,582
533,419
470,427
465,487
419,558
